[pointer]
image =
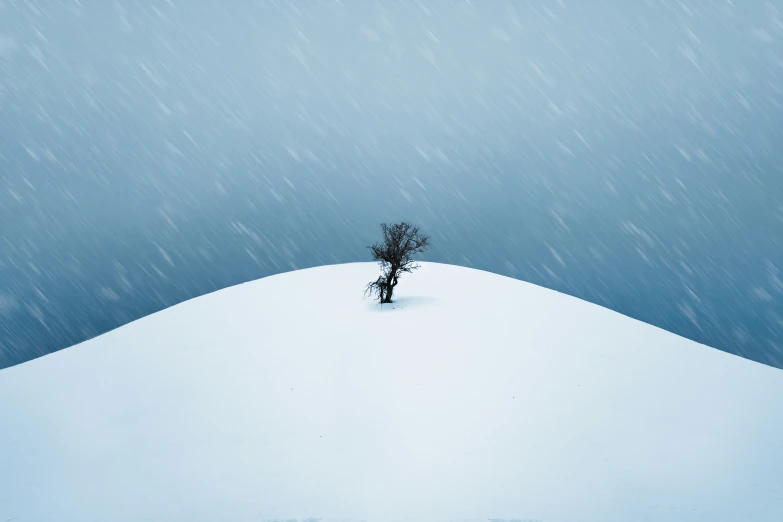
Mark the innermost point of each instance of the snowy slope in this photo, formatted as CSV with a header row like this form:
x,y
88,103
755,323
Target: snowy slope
x,y
475,397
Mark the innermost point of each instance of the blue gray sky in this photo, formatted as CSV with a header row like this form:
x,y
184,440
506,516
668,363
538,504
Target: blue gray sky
x,y
627,153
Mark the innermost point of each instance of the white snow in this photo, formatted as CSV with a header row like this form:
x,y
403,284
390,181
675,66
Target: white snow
x,y
474,397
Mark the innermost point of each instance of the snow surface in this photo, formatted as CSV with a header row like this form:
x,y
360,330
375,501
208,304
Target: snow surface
x,y
474,397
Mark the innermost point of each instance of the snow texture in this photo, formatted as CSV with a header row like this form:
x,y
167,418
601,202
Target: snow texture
x,y
473,397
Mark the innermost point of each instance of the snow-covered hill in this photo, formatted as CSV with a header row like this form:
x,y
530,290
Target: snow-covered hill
x,y
475,396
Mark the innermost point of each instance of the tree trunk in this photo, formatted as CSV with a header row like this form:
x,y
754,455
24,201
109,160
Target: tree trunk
x,y
391,282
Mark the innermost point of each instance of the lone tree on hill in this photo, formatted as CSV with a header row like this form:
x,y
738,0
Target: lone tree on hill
x,y
400,242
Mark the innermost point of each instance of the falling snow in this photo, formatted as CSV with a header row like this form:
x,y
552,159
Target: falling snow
x,y
627,153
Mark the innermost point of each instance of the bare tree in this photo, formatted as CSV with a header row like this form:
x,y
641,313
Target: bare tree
x,y
394,254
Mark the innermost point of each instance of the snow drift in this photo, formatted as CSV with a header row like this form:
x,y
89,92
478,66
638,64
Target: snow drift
x,y
474,397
